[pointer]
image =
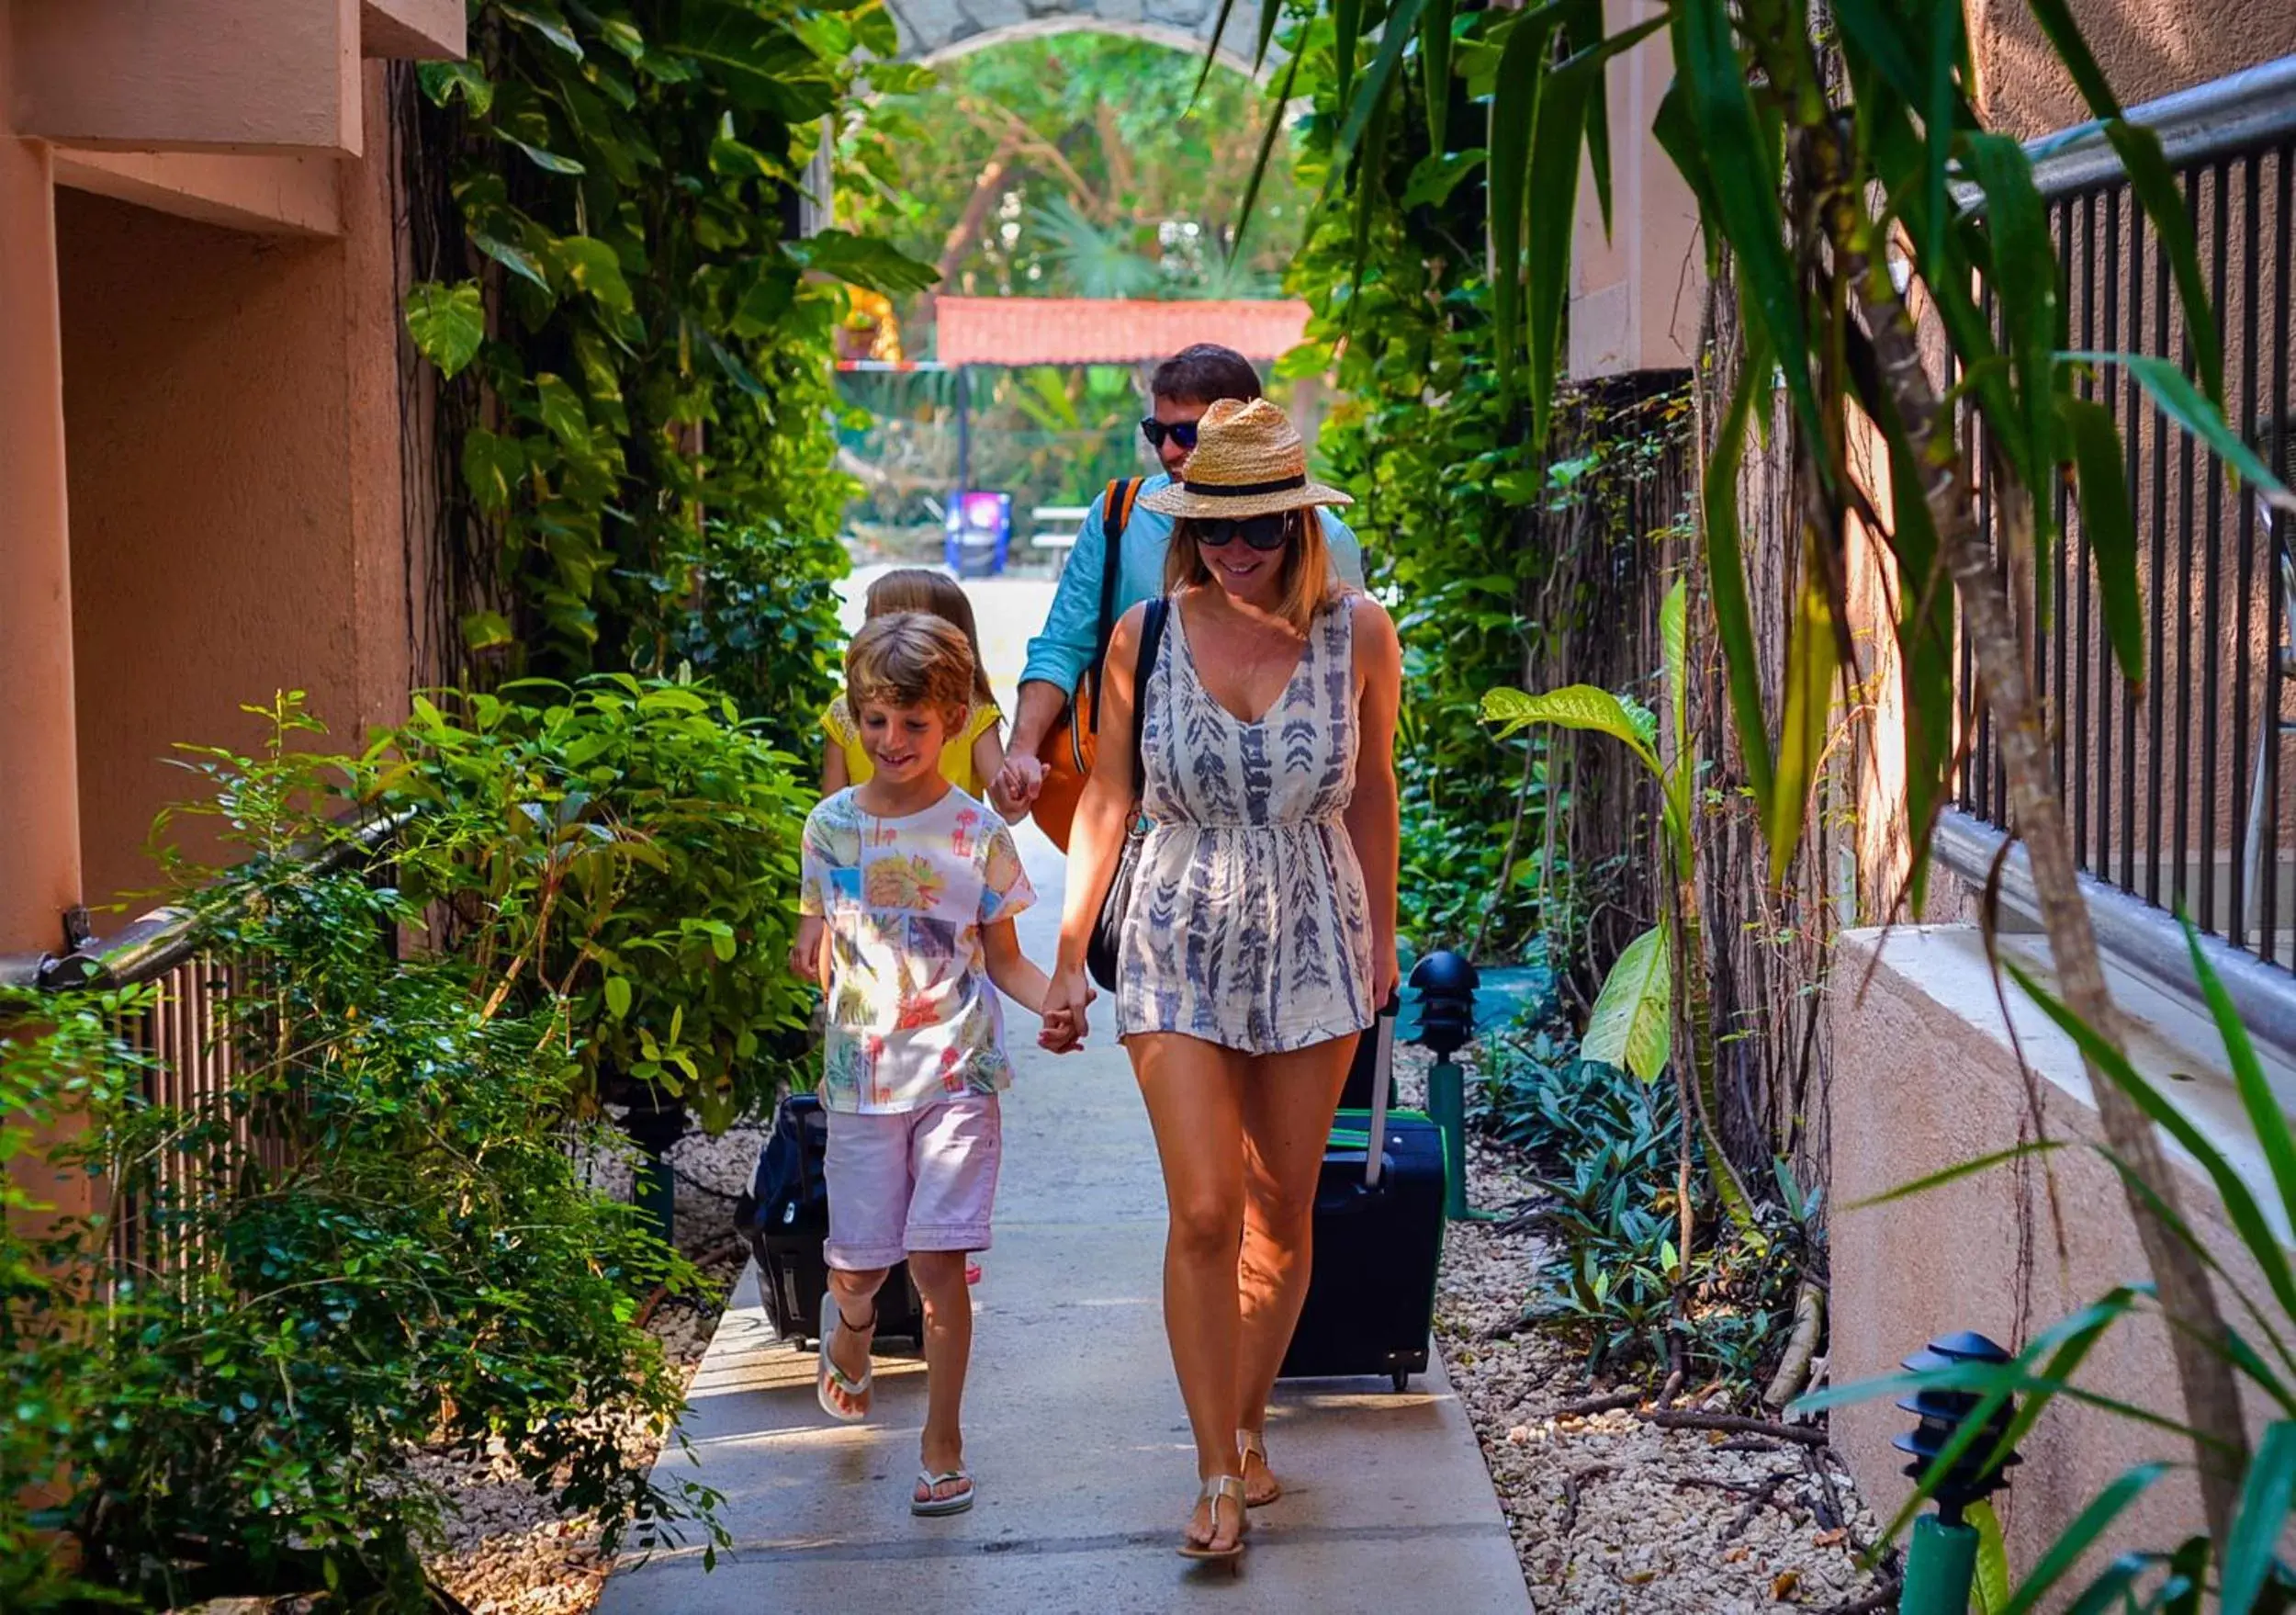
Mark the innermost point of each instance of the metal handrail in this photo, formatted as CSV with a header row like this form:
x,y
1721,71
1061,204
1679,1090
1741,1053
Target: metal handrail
x,y
2231,114
152,943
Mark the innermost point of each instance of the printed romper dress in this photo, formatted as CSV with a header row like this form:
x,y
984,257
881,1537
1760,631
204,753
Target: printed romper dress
x,y
1249,926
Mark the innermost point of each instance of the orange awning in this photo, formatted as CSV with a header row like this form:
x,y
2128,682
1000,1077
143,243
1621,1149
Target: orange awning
x,y
1108,330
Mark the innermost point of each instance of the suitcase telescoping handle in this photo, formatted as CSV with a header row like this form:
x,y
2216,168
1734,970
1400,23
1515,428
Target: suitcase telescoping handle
x,y
1382,1074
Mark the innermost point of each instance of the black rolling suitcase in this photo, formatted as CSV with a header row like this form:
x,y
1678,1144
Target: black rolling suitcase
x,y
785,1217
1378,1236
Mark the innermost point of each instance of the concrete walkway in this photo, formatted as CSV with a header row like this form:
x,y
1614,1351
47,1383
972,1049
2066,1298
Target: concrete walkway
x,y
1075,1431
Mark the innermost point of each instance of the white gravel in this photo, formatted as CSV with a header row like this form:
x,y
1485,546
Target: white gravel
x,y
1610,1515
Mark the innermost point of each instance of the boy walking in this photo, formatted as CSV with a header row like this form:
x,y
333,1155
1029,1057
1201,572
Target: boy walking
x,y
908,891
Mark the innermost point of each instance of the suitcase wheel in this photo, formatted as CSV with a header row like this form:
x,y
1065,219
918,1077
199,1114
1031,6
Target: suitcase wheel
x,y
1401,1380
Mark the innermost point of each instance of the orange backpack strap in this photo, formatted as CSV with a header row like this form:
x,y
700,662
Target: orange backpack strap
x,y
1116,511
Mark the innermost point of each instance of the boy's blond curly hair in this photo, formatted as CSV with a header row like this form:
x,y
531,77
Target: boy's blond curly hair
x,y
910,658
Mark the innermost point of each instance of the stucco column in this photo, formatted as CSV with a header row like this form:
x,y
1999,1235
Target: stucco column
x,y
40,786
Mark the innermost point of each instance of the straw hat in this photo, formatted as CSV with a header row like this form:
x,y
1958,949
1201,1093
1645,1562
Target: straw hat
x,y
1248,461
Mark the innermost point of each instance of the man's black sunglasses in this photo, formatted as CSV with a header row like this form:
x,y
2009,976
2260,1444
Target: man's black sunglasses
x,y
1180,432
1267,532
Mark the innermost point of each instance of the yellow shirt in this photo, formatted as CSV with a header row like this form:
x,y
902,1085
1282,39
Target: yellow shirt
x,y
956,758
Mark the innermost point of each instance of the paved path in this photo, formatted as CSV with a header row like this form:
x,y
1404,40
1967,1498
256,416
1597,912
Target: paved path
x,y
1075,1429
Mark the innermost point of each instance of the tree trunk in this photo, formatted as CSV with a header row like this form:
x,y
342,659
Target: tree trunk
x,y
985,188
2197,1332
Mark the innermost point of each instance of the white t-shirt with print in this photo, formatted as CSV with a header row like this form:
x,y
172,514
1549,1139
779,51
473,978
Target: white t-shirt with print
x,y
913,1018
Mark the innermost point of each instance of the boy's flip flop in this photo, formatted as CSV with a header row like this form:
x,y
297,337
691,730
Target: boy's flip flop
x,y
827,1372
929,1507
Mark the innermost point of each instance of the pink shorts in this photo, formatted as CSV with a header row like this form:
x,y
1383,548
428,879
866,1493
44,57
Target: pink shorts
x,y
917,1180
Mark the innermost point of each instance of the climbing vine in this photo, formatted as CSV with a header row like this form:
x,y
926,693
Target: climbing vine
x,y
631,339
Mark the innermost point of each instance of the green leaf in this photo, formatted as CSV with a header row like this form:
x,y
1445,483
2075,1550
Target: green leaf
x,y
2266,1495
1435,62
1810,666
2025,284
1991,1586
492,466
2175,393
485,630
517,260
2086,1531
2256,1095
562,411
442,81
865,261
549,160
1742,168
591,265
1628,1026
1276,113
730,362
1437,174
2108,524
447,323
1513,108
618,996
545,20
1574,706
1396,33
1587,42
1956,1172
1346,34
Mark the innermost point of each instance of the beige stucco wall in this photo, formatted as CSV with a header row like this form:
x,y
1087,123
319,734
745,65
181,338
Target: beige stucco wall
x,y
232,439
2148,48
1924,1079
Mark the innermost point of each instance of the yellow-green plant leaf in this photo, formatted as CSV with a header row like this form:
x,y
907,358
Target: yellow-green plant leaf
x,y
1513,106
1989,1590
2084,1533
1629,1025
447,323
561,408
1435,62
1574,706
517,260
2174,391
617,996
1726,573
2025,291
2108,524
590,265
1810,666
485,630
1396,33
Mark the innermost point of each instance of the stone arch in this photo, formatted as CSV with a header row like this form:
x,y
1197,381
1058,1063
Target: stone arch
x,y
936,31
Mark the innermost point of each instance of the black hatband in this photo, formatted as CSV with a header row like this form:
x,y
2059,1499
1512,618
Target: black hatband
x,y
1244,489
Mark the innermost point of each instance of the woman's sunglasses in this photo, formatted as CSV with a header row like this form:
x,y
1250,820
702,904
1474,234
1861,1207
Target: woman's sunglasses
x,y
1267,532
1180,432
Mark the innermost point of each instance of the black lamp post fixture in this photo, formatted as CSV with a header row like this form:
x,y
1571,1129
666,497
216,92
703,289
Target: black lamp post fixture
x,y
1942,1560
1446,983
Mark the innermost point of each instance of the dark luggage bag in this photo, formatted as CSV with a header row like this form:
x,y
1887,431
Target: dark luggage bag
x,y
1378,1237
785,1217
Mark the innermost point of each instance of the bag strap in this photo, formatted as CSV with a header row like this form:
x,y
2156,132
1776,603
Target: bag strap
x,y
1375,1146
1116,511
1151,638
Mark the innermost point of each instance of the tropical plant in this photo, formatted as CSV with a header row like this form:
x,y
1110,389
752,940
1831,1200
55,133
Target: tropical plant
x,y
1833,172
1632,1021
2247,1572
631,341
374,1239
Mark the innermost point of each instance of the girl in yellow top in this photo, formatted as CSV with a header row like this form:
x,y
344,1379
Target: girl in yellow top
x,y
971,757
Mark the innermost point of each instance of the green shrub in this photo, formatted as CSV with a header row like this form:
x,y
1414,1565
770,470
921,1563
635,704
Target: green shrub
x,y
376,1238
624,852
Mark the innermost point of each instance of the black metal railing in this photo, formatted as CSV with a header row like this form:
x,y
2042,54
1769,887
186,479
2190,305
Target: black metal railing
x,y
2176,791
184,1028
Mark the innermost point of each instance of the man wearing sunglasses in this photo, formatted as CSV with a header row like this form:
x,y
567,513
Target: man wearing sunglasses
x,y
1181,390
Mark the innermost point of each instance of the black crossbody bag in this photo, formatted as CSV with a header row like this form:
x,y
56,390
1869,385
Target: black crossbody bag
x,y
1108,933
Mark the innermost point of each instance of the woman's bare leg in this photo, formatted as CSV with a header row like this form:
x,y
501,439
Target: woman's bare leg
x,y
1191,1091
1286,1102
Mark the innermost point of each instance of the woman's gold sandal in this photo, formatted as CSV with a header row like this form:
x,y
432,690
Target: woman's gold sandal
x,y
1251,1444
1215,1489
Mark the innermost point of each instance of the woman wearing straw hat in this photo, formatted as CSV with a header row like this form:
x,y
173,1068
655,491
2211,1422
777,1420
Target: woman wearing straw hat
x,y
1261,935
